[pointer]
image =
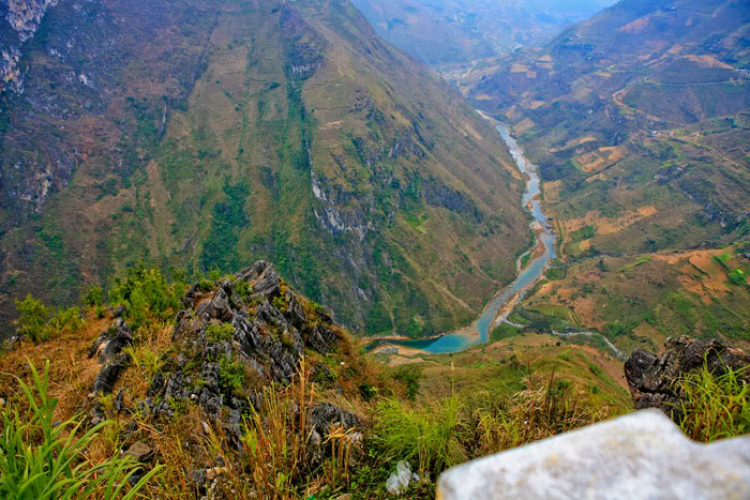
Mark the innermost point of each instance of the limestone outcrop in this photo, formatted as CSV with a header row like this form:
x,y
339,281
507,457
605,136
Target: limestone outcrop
x,y
642,455
654,380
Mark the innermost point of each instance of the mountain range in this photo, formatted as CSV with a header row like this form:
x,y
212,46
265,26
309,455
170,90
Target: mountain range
x,y
638,119
207,133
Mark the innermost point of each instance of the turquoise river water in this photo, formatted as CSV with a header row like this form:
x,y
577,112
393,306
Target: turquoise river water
x,y
479,332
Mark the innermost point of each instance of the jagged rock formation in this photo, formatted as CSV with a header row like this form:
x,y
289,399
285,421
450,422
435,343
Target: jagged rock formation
x,y
256,323
653,380
109,348
642,455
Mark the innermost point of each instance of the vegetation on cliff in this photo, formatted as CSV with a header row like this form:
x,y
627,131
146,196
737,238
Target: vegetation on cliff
x,y
253,390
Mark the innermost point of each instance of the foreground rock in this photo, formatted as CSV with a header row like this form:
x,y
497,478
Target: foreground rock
x,y
232,341
654,380
642,455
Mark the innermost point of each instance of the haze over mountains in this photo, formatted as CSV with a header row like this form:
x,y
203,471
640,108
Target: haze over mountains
x,y
210,133
453,31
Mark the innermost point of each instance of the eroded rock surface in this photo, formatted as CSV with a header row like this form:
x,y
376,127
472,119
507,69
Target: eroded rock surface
x,y
23,18
653,380
642,455
265,331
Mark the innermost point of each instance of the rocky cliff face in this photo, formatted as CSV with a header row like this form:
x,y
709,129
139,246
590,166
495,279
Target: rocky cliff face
x,y
216,132
19,20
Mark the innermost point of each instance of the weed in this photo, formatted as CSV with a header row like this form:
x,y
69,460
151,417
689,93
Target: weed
x,y
715,406
219,332
41,458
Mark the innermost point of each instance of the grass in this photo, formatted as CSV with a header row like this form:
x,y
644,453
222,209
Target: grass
x,y
435,414
275,439
439,433
44,459
715,406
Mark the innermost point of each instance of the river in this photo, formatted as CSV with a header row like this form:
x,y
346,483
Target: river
x,y
501,305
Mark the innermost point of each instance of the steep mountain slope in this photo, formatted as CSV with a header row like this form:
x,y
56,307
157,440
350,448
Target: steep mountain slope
x,y
640,121
243,388
213,132
450,31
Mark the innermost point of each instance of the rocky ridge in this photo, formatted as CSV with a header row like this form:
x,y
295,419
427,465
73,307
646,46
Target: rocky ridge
x,y
229,343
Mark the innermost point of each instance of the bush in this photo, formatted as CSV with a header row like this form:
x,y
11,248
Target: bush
x,y
41,458
33,318
64,321
93,296
738,277
147,294
219,332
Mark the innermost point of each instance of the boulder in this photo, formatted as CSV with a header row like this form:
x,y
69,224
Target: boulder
x,y
641,455
654,380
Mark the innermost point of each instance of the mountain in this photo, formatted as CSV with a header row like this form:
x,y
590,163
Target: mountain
x,y
205,133
639,120
452,31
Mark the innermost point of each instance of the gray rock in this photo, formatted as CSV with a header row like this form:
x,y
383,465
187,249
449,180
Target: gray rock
x,y
107,377
654,380
110,343
641,455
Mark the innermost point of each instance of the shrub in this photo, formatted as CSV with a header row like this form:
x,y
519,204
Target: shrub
x,y
232,375
35,320
147,293
41,458
738,277
64,321
219,332
33,317
93,296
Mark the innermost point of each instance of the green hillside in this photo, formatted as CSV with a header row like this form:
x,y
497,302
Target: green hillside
x,y
218,132
638,119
